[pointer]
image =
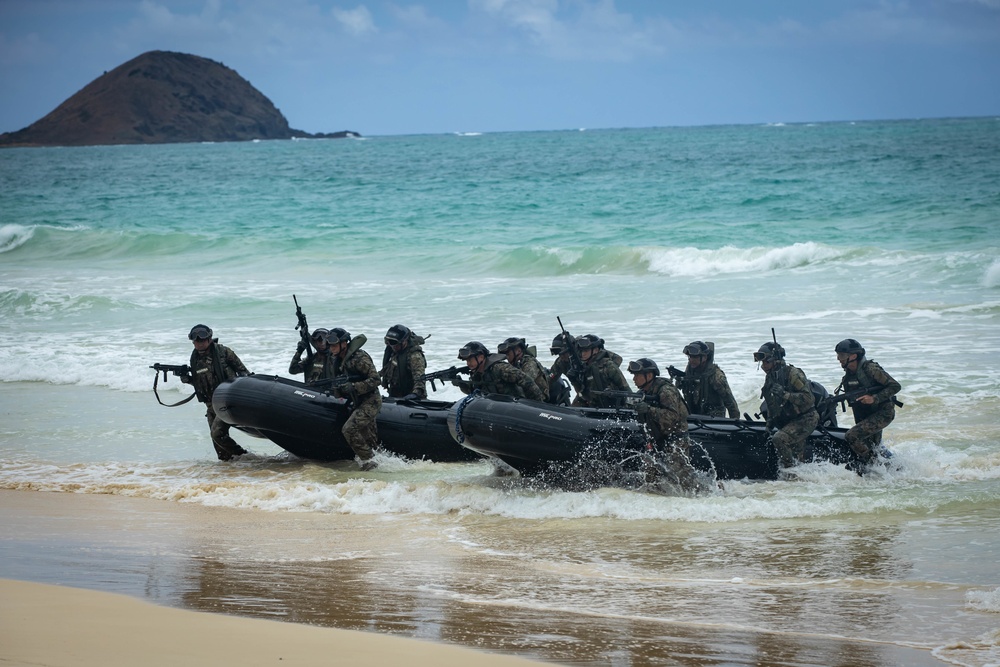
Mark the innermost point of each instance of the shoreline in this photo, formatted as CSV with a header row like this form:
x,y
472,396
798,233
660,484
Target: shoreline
x,y
59,626
405,578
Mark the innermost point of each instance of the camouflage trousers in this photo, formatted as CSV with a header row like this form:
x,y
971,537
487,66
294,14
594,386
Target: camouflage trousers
x,y
225,447
360,430
865,436
790,440
674,466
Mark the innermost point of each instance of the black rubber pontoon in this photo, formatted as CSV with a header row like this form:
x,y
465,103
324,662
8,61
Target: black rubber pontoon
x,y
308,423
594,444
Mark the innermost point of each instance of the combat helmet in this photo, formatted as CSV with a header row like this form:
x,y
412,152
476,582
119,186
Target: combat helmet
x,y
472,349
200,332
697,349
588,341
559,345
320,333
769,352
396,334
644,365
338,335
510,344
850,346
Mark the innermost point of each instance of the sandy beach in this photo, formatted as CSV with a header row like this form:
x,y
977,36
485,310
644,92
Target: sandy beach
x,y
124,580
57,626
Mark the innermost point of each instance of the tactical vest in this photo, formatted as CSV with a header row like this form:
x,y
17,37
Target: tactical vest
x,y
862,379
208,371
490,382
593,380
320,367
699,394
782,375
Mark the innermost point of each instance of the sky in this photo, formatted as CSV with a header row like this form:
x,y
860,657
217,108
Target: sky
x,y
382,67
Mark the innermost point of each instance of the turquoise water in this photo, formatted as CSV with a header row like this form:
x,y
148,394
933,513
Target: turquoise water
x,y
888,232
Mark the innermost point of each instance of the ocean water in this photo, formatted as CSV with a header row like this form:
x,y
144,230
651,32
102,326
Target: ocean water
x,y
888,232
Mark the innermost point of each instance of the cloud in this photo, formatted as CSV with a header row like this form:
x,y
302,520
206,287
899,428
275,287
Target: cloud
x,y
358,20
584,30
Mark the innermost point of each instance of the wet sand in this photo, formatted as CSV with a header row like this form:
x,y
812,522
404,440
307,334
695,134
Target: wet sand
x,y
376,574
56,626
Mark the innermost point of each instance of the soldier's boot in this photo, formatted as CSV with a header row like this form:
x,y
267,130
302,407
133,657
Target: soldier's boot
x,y
227,448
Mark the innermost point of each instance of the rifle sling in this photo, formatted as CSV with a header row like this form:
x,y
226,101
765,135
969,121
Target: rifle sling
x,y
156,381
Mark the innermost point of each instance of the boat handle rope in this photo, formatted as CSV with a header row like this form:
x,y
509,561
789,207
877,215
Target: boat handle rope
x,y
459,435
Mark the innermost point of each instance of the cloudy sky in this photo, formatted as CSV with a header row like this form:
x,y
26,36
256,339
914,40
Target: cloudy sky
x,y
400,67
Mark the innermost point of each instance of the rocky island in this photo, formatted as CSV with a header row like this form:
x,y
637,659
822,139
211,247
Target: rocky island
x,y
162,97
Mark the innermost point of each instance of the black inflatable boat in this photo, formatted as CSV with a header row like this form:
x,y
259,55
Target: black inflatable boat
x,y
585,446
307,422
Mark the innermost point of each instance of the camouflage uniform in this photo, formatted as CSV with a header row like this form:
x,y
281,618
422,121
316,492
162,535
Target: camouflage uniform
x,y
209,369
706,391
401,371
316,367
603,374
791,409
563,365
869,420
530,366
360,431
499,377
666,424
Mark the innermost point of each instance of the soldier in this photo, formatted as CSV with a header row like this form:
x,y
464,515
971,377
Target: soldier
x,y
212,363
351,361
565,365
403,364
704,385
872,412
791,407
491,374
317,366
520,356
664,416
601,372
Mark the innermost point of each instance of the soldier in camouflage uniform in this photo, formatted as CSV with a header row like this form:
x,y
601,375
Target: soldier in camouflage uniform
x,y
664,416
704,385
491,374
316,366
601,372
403,364
872,412
351,361
212,364
520,356
564,365
791,407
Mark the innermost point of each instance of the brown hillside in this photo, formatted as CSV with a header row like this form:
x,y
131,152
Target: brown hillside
x,y
160,97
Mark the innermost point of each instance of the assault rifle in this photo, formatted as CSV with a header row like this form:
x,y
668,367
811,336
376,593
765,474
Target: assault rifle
x,y
302,327
332,384
577,361
675,372
447,374
181,371
849,397
628,398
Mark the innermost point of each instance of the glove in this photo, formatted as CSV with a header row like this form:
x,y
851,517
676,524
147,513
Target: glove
x,y
301,347
642,409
